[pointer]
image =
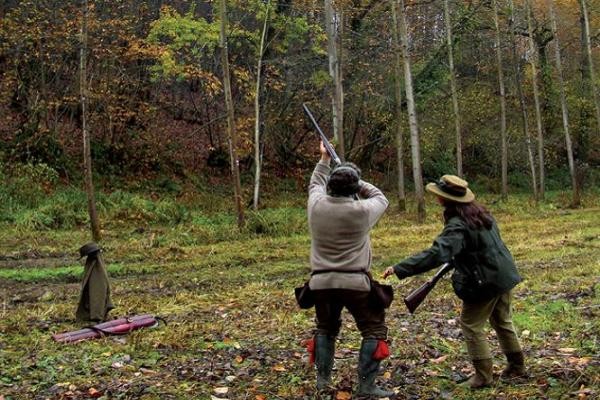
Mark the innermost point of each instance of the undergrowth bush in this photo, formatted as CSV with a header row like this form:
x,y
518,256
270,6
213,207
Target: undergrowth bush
x,y
277,221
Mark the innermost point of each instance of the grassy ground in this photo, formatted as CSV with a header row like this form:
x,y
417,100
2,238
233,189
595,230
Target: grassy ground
x,y
235,332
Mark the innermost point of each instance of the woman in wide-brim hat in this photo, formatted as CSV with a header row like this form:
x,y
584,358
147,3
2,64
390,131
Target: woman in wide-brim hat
x,y
484,276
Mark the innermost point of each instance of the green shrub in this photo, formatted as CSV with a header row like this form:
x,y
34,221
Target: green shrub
x,y
277,222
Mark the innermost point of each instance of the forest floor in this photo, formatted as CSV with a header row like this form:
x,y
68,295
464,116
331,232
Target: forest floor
x,y
235,332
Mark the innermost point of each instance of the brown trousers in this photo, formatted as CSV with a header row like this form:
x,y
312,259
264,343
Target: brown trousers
x,y
329,304
499,312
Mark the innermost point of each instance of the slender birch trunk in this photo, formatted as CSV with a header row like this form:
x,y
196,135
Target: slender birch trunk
x,y
524,116
503,140
412,115
453,88
590,64
257,157
536,99
398,92
231,132
332,24
563,104
87,154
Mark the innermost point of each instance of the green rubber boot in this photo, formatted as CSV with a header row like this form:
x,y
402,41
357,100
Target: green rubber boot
x,y
324,351
368,370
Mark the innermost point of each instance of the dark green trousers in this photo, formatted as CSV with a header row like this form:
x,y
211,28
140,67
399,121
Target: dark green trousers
x,y
498,312
329,304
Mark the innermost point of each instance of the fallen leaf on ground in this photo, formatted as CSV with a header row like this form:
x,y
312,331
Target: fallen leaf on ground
x,y
567,350
221,390
439,359
260,397
343,396
93,392
279,368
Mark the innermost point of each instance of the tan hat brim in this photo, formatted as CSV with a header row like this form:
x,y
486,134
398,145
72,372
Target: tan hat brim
x,y
467,198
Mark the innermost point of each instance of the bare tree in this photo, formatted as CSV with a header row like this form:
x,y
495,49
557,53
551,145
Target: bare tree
x,y
536,99
87,155
585,35
563,103
333,26
503,140
412,114
524,114
398,86
453,88
257,152
231,131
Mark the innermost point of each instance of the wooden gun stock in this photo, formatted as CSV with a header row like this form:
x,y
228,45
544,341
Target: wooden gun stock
x,y
416,297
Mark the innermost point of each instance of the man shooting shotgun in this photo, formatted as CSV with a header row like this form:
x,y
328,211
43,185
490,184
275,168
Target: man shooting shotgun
x,y
342,209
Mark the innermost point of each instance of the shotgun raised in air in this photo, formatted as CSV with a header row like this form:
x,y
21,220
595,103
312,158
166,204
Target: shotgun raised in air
x,y
322,136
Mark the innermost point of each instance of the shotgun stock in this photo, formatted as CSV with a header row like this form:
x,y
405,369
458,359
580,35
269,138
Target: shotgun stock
x,y
322,136
416,297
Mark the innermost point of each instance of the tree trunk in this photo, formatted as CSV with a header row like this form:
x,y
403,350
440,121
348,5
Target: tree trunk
x,y
504,144
231,132
257,153
87,154
590,64
412,115
333,25
563,104
459,162
536,99
398,92
525,118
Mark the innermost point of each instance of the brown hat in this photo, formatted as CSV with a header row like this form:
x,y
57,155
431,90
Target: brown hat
x,y
453,188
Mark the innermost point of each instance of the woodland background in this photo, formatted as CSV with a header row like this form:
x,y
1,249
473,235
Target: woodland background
x,y
157,115
138,90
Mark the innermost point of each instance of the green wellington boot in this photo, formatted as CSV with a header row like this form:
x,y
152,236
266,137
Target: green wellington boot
x,y
368,370
515,367
324,351
483,376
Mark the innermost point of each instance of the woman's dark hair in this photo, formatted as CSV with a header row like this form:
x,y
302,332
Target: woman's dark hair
x,y
343,180
474,214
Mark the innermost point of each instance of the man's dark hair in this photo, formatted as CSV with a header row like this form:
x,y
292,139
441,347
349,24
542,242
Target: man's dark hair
x,y
343,180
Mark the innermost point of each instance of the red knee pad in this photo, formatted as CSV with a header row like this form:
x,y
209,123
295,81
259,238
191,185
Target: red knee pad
x,y
382,351
310,347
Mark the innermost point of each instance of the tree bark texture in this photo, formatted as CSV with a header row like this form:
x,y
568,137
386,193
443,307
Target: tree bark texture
x,y
87,154
522,103
454,90
398,92
563,104
503,139
231,131
536,100
257,152
333,25
590,63
412,115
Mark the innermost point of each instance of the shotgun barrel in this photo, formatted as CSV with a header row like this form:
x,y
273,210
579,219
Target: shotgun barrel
x,y
322,136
